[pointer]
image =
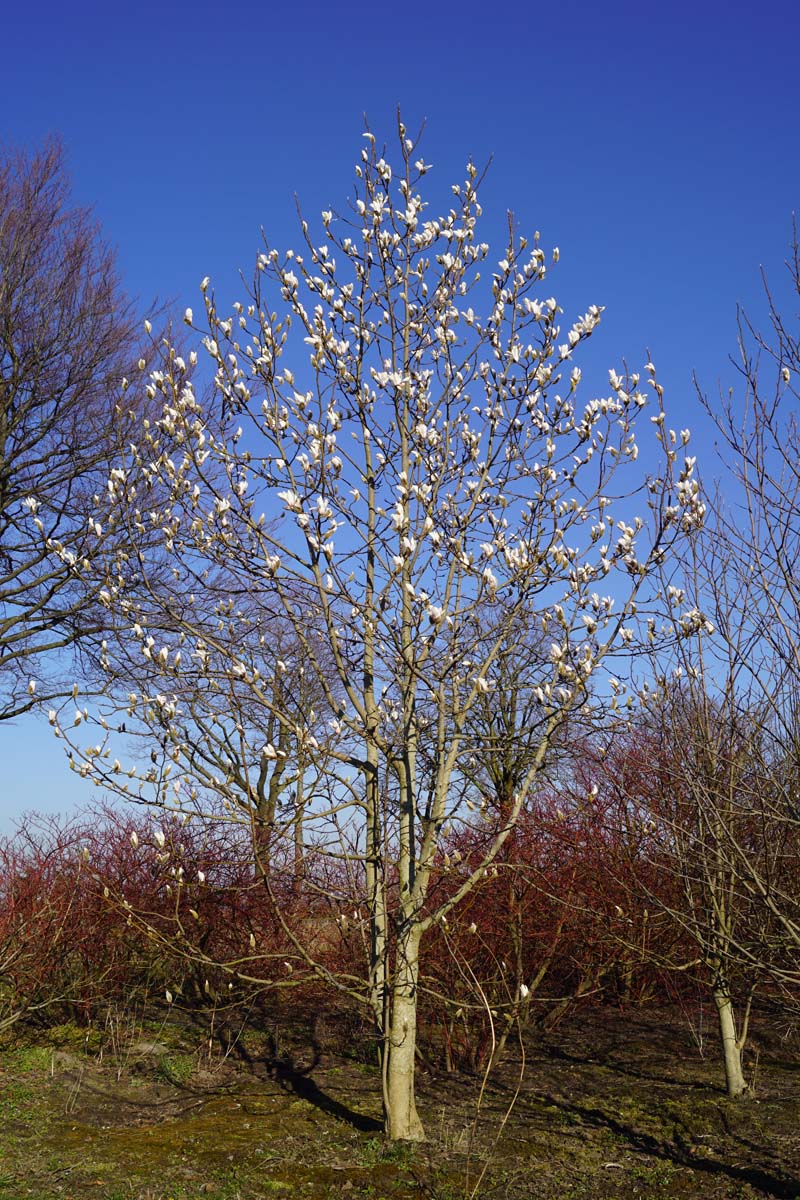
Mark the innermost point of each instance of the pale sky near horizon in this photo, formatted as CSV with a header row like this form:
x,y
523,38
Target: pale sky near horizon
x,y
656,145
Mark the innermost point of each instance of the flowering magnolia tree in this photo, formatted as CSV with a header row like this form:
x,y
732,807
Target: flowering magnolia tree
x,y
350,542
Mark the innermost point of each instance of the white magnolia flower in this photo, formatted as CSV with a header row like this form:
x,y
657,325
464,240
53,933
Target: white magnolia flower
x,y
291,500
188,316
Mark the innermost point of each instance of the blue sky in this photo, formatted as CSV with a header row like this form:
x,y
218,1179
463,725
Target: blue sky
x,y
656,145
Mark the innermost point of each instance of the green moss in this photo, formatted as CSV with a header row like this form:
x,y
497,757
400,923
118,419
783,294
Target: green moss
x,y
75,1037
176,1068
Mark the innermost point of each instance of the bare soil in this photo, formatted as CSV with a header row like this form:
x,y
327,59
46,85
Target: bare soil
x,y
613,1105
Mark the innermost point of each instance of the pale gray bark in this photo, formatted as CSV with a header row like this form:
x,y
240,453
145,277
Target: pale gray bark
x,y
402,1120
732,1045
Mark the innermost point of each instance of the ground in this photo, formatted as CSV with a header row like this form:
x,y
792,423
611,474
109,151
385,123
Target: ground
x,y
611,1106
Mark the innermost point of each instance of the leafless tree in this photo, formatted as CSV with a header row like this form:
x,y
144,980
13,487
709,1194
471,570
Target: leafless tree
x,y
67,339
759,527
712,779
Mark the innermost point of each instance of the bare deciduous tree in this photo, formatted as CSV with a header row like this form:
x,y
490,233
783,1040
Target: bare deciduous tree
x,y
711,774
754,599
67,339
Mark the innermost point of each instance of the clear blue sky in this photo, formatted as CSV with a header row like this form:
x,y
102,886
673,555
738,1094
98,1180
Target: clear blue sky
x,y
655,144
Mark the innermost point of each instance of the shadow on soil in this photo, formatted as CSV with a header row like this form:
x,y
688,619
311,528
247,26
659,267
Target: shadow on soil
x,y
681,1151
298,1080
609,1106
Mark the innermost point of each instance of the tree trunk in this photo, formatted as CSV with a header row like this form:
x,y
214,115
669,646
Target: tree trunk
x,y
299,848
402,1119
731,1045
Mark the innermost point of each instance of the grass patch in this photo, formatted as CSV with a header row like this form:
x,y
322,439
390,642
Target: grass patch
x,y
16,1099
26,1059
377,1150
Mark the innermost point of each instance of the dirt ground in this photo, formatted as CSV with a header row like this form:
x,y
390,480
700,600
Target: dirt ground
x,y
611,1105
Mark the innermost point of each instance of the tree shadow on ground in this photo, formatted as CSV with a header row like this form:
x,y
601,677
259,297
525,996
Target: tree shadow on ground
x,y
303,1086
748,1144
559,1054
681,1151
282,1067
298,1080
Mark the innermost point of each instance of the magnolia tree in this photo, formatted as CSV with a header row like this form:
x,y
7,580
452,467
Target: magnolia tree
x,y
391,474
